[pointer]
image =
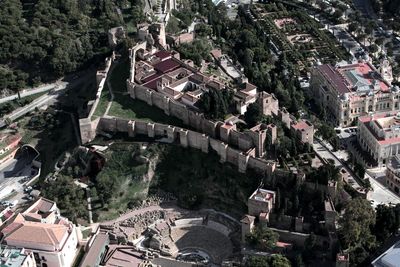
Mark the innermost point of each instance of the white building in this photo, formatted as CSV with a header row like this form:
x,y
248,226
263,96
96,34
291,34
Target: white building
x,y
52,239
16,257
379,136
348,91
392,178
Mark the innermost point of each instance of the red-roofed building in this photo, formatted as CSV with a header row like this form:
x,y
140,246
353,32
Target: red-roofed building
x,y
163,55
52,239
352,90
303,130
167,65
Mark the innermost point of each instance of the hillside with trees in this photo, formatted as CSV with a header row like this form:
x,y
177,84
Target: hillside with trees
x,y
42,40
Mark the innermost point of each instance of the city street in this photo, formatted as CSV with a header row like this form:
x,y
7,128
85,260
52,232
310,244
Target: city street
x,y
382,195
379,195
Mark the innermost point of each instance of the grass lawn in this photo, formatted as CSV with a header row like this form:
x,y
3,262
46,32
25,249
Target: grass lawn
x,y
125,107
104,100
86,233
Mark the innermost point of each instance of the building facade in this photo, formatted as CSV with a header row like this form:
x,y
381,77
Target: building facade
x,y
349,91
303,130
379,136
392,178
52,239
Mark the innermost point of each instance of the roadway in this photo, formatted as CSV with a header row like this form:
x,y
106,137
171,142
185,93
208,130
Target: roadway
x,y
46,99
325,150
379,193
31,91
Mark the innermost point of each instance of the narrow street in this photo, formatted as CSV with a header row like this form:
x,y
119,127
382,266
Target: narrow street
x,y
379,194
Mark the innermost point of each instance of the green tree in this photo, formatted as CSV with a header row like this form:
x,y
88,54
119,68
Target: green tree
x,y
267,261
253,115
387,221
262,238
356,222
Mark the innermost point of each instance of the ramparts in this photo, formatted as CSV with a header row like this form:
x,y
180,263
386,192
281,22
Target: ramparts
x,y
188,138
86,125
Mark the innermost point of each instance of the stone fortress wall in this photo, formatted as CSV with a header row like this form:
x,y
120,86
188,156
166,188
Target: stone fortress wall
x,y
87,125
188,138
243,149
244,141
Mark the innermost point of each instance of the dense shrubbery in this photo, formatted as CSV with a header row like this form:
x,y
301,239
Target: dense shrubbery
x,y
70,198
262,238
216,103
276,260
41,41
198,50
199,180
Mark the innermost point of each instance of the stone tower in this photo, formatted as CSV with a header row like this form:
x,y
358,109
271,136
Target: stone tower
x,y
386,70
268,103
161,37
247,223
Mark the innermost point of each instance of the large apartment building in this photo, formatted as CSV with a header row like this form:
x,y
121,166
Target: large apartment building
x,y
348,91
40,229
379,136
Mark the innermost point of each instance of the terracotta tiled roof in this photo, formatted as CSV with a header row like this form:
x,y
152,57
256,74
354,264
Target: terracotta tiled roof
x,y
38,233
166,65
334,77
162,54
301,125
